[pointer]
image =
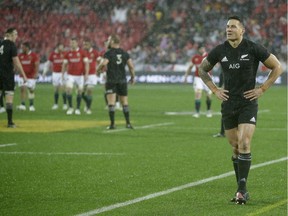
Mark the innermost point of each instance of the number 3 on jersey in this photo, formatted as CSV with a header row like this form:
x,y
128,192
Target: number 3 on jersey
x,y
119,59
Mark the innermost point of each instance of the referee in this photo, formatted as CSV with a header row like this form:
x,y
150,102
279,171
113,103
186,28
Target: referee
x,y
239,59
116,83
9,60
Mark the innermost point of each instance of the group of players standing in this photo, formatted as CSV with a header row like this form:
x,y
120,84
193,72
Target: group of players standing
x,y
76,67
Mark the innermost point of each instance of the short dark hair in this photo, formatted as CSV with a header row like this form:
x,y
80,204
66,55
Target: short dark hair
x,y
235,18
27,44
10,30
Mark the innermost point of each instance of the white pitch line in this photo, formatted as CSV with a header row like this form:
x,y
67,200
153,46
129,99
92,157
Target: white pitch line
x,y
9,144
171,190
139,127
204,113
64,153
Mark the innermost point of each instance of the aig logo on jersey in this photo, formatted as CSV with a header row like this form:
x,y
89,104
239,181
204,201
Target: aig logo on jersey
x,y
234,66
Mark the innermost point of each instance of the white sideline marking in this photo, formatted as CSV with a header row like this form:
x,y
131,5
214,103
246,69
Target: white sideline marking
x,y
9,144
171,190
62,153
140,127
204,113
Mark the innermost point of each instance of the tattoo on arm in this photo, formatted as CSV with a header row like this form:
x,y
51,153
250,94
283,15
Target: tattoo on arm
x,y
204,68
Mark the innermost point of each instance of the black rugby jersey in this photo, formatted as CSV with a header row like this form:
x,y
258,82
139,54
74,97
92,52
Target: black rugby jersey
x,y
239,65
8,50
116,67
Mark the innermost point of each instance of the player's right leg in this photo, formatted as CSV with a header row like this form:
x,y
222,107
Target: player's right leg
x,y
23,90
69,88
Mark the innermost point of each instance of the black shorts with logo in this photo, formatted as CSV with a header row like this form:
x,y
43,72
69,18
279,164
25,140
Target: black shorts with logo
x,y
235,112
120,89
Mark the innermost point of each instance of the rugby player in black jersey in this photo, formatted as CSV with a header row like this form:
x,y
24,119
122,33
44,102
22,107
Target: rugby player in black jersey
x,y
239,58
116,82
9,60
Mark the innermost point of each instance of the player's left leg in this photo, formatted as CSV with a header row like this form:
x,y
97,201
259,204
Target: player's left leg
x,y
31,85
245,134
89,98
9,96
122,92
197,101
79,80
126,111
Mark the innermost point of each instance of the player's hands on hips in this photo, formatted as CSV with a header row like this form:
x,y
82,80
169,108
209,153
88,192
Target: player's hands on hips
x,y
253,94
221,94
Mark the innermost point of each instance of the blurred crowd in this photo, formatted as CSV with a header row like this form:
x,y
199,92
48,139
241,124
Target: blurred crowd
x,y
154,31
194,23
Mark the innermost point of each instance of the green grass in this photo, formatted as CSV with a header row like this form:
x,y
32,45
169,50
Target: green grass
x,y
142,161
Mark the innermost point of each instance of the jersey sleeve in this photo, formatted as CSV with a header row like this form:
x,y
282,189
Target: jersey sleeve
x,y
13,50
213,56
35,57
261,52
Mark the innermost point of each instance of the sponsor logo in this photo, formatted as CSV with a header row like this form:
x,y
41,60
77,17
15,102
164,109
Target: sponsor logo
x,y
244,57
234,66
253,119
224,59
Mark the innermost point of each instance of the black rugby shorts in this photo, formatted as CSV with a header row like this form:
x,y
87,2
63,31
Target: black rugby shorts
x,y
7,83
235,112
120,89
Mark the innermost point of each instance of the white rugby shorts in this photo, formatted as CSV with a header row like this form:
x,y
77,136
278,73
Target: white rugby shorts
x,y
77,80
31,83
198,84
57,79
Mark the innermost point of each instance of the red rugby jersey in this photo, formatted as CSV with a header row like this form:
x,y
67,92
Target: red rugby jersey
x,y
75,60
196,60
92,56
57,59
28,62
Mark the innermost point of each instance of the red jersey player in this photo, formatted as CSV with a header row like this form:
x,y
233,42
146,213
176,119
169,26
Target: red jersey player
x,y
56,60
78,65
198,84
30,64
91,81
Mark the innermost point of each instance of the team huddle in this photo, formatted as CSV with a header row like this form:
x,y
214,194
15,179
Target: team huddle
x,y
74,68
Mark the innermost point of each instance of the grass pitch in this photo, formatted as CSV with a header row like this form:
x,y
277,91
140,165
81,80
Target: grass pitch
x,y
54,164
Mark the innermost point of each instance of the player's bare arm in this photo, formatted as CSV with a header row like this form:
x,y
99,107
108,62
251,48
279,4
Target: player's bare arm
x,y
102,64
19,67
87,66
64,67
204,68
131,70
188,71
276,70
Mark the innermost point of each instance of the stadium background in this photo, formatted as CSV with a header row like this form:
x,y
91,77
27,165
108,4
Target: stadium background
x,y
161,36
54,164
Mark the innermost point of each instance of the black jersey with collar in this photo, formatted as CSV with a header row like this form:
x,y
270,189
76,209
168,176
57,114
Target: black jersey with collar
x,y
8,50
239,65
118,58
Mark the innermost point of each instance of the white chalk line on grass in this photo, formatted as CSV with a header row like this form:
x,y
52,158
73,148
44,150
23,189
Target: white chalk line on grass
x,y
140,127
171,190
64,153
8,144
204,113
